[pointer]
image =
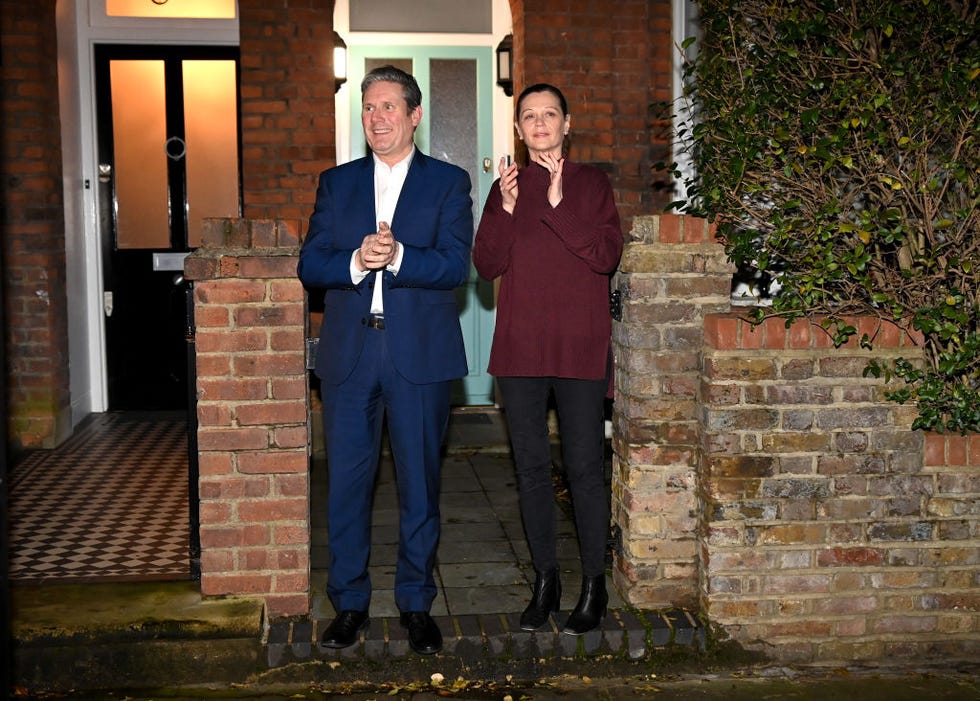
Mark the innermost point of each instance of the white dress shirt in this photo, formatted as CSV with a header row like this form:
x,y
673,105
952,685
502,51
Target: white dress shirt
x,y
388,183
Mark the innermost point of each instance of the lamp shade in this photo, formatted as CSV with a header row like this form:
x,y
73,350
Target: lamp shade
x,y
339,61
505,64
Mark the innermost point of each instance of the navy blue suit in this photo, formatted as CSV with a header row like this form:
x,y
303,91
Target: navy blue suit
x,y
402,372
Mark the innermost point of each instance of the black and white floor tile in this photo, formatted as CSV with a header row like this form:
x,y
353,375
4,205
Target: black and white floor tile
x,y
111,502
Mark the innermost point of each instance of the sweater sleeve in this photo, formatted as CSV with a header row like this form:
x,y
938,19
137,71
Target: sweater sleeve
x,y
494,237
587,222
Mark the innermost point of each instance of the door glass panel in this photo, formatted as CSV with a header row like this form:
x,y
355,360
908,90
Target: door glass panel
x,y
139,135
211,129
453,122
198,9
371,63
432,16
452,110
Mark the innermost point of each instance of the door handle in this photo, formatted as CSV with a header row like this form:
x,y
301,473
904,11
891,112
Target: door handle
x,y
487,165
107,302
175,148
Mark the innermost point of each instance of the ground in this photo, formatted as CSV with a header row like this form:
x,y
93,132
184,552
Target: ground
x,y
777,683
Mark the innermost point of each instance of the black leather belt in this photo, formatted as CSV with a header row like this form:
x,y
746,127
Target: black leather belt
x,y
376,321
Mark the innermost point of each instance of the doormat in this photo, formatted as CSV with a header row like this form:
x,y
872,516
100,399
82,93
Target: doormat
x,y
110,503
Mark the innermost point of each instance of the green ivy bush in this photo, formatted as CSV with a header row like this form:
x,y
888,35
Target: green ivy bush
x,y
837,146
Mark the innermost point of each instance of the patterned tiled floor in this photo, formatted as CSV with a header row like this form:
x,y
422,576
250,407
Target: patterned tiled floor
x,y
111,502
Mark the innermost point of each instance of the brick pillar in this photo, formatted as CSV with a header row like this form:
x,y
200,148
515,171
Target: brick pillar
x,y
671,275
254,429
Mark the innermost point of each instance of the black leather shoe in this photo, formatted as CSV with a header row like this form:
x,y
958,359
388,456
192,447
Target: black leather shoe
x,y
423,633
545,598
591,606
344,629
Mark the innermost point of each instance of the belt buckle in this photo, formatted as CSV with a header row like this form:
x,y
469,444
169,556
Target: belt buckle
x,y
376,321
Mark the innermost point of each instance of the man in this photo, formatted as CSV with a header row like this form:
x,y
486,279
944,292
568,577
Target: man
x,y
389,240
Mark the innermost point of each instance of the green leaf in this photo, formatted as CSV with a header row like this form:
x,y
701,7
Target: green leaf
x,y
824,132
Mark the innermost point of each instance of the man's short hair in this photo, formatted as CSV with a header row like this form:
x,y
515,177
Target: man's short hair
x,y
389,74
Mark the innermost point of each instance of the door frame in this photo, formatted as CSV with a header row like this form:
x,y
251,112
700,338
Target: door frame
x,y
152,278
356,54
500,106
476,311
81,24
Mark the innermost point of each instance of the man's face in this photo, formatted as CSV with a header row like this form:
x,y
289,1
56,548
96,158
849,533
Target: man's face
x,y
389,127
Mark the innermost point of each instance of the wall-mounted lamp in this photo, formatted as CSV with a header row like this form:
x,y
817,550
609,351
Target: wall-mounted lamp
x,y
505,64
339,61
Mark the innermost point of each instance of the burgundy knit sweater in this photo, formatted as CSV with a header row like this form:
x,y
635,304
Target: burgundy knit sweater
x,y
554,267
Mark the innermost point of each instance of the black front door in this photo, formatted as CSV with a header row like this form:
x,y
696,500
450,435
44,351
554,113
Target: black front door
x,y
168,158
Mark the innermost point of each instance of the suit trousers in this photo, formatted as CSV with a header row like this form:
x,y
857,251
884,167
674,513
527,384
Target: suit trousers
x,y
580,424
417,416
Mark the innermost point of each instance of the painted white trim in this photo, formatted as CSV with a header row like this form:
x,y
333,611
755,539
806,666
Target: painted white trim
x,y
81,24
679,30
84,338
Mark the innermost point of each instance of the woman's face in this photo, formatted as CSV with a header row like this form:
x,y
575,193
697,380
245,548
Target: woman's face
x,y
541,124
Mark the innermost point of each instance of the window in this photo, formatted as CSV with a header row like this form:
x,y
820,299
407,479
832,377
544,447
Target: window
x,y
685,25
433,16
172,9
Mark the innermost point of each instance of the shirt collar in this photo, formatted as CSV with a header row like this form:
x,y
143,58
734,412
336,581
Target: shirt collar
x,y
401,165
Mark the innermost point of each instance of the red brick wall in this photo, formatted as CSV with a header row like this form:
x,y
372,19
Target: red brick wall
x,y
762,479
612,59
253,414
832,530
287,105
32,228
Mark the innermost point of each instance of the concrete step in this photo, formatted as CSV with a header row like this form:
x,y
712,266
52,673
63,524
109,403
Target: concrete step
x,y
131,634
146,635
625,633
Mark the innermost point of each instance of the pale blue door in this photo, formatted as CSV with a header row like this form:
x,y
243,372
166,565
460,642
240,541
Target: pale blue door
x,y
456,83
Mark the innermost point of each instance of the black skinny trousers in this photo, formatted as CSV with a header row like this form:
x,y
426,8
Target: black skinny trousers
x,y
580,425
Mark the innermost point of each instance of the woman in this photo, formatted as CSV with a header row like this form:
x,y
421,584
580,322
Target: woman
x,y
550,231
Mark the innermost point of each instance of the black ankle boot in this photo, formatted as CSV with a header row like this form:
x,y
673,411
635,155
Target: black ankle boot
x,y
545,598
591,606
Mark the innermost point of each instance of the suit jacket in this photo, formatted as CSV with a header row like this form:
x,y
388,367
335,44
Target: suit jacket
x,y
433,221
